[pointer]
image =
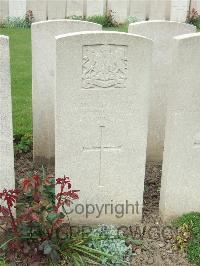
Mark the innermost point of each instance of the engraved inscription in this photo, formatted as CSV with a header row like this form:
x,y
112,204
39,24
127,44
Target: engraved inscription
x,y
101,148
104,66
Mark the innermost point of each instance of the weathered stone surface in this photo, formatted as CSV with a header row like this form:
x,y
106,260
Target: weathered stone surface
x,y
179,9
158,9
119,9
176,10
7,179
43,81
75,8
17,8
162,33
180,181
196,5
4,9
39,9
138,9
95,7
57,9
101,120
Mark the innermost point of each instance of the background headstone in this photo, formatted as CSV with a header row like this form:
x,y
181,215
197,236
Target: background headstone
x,y
17,8
181,163
138,9
196,5
75,8
95,7
43,79
157,9
162,33
57,9
39,9
4,9
176,10
179,10
119,9
7,179
101,119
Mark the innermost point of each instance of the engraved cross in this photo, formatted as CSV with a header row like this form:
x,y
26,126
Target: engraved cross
x,y
101,148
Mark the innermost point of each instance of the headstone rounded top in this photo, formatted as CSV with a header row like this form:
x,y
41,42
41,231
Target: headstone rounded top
x,y
4,38
65,21
94,34
43,58
101,116
165,24
162,33
188,36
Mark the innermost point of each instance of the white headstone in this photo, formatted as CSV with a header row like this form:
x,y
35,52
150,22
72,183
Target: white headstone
x,y
57,9
179,10
75,8
162,33
7,179
39,9
43,81
4,9
196,5
158,9
101,120
17,8
119,9
138,9
181,163
95,7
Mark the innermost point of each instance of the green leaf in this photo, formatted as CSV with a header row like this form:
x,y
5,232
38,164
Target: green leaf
x,y
61,215
47,249
52,216
3,246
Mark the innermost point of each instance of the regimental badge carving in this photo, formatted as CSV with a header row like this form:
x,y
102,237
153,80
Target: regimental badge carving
x,y
104,66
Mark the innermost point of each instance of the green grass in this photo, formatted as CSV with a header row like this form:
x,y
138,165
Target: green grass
x,y
20,53
192,220
122,28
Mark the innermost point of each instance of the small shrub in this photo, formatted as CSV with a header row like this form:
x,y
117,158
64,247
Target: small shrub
x,y
18,22
108,239
132,19
2,262
22,144
29,18
32,236
41,231
106,21
183,236
193,18
76,17
102,20
188,237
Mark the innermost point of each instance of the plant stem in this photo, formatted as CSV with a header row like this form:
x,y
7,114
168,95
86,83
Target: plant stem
x,y
13,224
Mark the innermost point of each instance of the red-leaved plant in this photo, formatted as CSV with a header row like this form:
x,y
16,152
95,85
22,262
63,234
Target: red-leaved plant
x,y
35,229
32,216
